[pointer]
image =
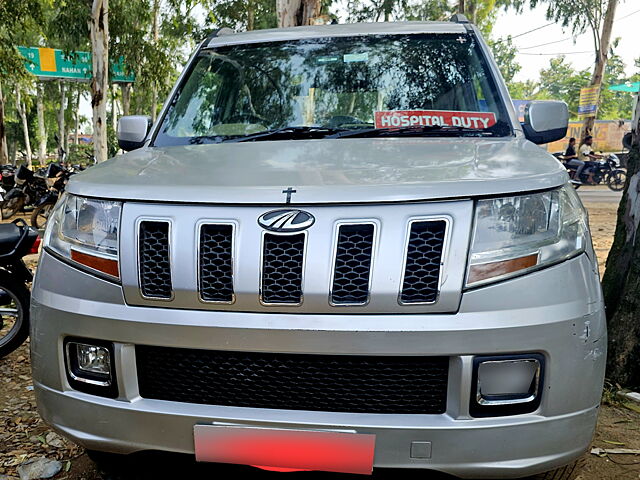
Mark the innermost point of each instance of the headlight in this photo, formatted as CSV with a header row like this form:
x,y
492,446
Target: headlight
x,y
517,234
85,231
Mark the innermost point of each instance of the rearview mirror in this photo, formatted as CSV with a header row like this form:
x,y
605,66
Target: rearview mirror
x,y
132,131
545,121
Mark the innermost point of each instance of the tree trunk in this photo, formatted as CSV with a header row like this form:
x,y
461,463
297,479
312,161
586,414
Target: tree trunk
x,y
154,88
42,132
22,112
251,16
4,153
99,28
293,13
601,61
114,108
13,151
461,6
61,130
621,282
77,116
125,91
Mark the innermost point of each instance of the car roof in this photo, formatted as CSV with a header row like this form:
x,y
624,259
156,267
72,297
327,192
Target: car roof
x,y
227,37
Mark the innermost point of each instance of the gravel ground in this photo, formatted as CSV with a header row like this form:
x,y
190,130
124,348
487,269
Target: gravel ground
x,y
23,436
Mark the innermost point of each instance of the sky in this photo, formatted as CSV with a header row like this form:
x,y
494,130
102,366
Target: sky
x,y
529,56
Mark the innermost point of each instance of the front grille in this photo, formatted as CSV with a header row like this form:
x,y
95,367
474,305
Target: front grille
x,y
216,263
282,265
332,383
424,258
353,264
154,263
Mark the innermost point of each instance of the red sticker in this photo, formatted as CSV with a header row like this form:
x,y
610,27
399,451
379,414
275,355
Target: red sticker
x,y
445,118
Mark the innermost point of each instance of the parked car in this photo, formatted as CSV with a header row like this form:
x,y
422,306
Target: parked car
x,y
336,249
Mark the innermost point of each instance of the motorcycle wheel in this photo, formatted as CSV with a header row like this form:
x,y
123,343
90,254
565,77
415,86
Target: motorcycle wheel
x,y
10,207
616,180
14,314
40,215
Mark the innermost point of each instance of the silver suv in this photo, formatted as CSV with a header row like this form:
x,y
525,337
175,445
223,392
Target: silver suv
x,y
336,249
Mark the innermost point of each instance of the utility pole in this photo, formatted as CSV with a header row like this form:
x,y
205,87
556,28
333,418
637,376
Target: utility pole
x,y
602,55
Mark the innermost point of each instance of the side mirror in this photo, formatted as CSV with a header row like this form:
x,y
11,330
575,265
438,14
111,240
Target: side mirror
x,y
132,131
545,121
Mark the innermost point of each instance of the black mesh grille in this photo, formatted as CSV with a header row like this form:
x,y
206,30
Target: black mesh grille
x,y
216,269
424,255
155,268
353,264
282,260
336,383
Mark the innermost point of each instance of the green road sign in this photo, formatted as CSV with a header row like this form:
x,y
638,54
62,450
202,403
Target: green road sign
x,y
54,64
632,87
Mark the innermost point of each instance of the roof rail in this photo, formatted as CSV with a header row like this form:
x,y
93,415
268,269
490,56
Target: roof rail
x,y
459,18
218,32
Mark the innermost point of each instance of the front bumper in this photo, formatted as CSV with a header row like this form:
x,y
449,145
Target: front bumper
x,y
542,312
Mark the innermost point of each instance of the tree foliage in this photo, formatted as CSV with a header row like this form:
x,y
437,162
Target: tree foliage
x,y
17,20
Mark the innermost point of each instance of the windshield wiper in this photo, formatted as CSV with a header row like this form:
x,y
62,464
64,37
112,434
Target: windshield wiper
x,y
412,130
287,133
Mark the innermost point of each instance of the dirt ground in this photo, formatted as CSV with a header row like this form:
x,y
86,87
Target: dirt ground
x,y
23,435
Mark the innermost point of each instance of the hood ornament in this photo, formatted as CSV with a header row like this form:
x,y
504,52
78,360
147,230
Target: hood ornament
x,y
286,220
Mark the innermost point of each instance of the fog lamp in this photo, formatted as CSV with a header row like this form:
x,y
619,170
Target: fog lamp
x,y
93,359
507,385
90,366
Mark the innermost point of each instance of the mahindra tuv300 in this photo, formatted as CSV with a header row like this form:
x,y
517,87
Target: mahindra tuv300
x,y
336,249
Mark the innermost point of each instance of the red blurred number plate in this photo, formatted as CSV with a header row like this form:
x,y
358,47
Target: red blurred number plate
x,y
285,449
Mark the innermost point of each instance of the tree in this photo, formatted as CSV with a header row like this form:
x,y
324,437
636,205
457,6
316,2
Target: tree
x,y
291,13
562,82
621,281
22,111
582,15
504,53
99,29
16,18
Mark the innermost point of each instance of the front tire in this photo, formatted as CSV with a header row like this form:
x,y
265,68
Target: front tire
x,y
10,207
568,472
14,314
40,215
616,180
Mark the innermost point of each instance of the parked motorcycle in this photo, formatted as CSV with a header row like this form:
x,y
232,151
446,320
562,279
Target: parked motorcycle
x,y
7,173
607,171
56,178
27,191
17,239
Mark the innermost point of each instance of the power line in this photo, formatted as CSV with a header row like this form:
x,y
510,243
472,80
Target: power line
x,y
543,44
525,33
628,15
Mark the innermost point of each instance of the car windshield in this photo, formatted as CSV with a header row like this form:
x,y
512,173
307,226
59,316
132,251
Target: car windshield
x,y
436,84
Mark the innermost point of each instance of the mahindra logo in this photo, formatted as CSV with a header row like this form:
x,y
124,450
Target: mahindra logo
x,y
286,220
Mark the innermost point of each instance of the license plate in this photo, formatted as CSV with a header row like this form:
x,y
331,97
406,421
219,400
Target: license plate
x,y
327,451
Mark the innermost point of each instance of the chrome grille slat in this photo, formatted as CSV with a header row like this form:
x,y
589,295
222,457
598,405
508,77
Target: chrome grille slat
x,y
352,267
423,262
154,260
215,263
282,268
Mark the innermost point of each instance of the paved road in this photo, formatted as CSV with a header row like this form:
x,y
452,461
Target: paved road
x,y
599,194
